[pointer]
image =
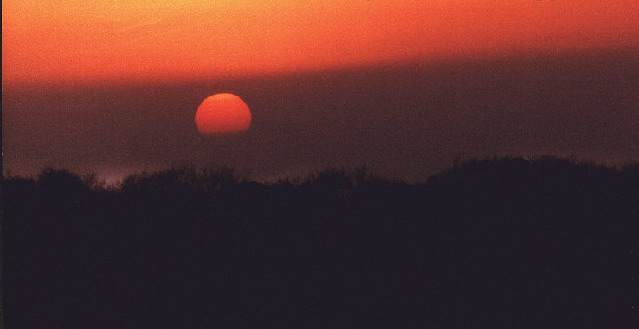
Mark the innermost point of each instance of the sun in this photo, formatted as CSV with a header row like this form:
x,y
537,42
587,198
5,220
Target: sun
x,y
222,114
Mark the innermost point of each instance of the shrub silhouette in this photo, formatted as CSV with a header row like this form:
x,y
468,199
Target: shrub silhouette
x,y
60,181
181,179
499,242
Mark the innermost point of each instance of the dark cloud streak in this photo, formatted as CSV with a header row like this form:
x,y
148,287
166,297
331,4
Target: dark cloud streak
x,y
404,121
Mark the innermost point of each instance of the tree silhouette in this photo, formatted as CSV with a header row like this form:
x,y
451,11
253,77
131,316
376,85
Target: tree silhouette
x,y
499,242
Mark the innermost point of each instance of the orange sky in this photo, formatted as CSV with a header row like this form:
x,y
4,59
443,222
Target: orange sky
x,y
71,40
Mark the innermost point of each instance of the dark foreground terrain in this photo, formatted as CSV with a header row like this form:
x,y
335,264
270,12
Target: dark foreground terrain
x,y
501,243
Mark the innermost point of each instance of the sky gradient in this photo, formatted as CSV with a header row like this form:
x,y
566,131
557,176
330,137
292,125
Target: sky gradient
x,y
403,87
72,40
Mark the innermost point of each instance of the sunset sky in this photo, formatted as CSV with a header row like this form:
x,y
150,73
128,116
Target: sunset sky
x,y
73,40
403,87
337,150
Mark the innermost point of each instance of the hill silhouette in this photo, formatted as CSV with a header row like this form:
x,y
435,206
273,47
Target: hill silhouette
x,y
493,243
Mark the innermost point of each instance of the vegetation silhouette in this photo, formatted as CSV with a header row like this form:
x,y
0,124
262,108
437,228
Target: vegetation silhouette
x,y
493,243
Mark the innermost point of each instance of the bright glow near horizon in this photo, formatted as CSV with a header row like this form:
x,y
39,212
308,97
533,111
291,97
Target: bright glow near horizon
x,y
70,40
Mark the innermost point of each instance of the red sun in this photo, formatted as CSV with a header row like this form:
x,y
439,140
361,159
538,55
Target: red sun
x,y
222,113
